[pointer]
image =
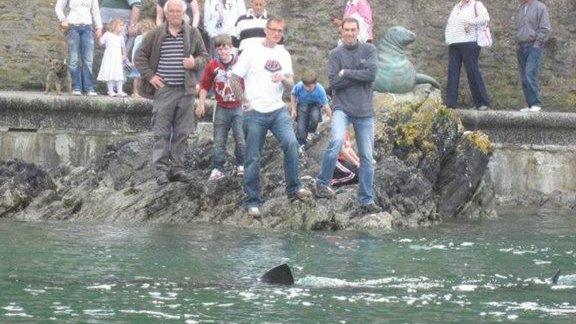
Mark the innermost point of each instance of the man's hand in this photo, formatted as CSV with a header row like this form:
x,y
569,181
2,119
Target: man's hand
x,y
200,110
293,113
133,30
189,62
98,33
328,112
278,77
64,24
157,82
341,73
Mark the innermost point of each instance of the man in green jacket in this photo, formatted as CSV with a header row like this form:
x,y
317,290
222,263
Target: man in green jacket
x,y
167,59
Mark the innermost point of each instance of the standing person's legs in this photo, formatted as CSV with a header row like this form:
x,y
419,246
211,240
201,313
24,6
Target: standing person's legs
x,y
454,65
87,52
531,75
314,117
255,129
339,124
222,122
73,36
184,125
470,56
238,133
282,129
522,57
163,109
364,130
302,123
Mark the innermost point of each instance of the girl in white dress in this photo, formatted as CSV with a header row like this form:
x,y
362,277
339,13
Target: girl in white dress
x,y
112,68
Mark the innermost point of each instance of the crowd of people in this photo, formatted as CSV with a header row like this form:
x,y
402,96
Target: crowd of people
x,y
241,61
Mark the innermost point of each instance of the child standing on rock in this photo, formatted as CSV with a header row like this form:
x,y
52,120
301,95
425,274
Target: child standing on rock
x,y
308,97
228,111
112,67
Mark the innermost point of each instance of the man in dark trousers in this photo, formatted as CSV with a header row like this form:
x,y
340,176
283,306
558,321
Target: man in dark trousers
x,y
351,71
167,60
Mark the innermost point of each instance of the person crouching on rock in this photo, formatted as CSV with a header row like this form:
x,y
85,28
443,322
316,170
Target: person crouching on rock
x,y
266,68
346,171
351,71
307,98
167,60
228,110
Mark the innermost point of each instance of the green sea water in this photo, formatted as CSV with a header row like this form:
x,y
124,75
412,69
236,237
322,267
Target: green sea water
x,y
459,271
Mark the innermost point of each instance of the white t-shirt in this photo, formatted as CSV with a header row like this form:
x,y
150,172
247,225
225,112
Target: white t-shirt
x,y
256,65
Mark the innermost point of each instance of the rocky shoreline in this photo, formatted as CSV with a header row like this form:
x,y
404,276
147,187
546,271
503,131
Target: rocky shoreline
x,y
427,169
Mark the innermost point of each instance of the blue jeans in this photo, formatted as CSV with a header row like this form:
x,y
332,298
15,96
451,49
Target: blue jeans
x,y
224,119
256,125
81,56
364,130
467,53
529,61
307,120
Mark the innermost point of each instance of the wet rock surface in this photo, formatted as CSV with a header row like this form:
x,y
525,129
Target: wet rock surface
x,y
427,169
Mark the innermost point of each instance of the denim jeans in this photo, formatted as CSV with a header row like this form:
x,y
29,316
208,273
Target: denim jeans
x,y
256,125
467,53
529,61
81,56
307,120
364,131
224,119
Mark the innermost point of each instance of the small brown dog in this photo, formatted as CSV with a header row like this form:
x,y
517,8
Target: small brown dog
x,y
57,72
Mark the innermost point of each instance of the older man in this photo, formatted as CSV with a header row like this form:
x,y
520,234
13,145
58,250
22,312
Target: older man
x,y
167,59
533,30
351,71
250,28
266,68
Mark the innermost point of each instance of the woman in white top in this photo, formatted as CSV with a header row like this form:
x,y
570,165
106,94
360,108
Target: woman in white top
x,y
461,37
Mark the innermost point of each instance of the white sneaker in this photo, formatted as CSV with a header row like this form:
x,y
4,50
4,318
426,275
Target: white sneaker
x,y
122,94
92,93
525,109
216,175
535,108
76,93
240,170
301,149
111,94
253,212
309,137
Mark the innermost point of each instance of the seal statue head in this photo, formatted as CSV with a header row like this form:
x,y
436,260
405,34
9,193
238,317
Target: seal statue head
x,y
398,36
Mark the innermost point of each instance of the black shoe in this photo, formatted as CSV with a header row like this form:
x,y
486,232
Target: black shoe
x,y
181,176
324,192
371,208
162,179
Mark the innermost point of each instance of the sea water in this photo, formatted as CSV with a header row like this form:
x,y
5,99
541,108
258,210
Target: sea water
x,y
460,271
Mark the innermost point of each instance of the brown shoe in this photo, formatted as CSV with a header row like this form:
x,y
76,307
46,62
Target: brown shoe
x,y
302,195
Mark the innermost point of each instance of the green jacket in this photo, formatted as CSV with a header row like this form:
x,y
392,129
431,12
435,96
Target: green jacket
x,y
148,56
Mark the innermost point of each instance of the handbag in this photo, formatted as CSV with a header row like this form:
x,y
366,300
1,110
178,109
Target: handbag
x,y
483,31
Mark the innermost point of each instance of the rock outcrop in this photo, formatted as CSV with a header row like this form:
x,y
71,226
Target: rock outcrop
x,y
427,169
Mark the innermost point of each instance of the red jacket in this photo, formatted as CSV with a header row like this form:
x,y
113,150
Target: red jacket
x,y
217,76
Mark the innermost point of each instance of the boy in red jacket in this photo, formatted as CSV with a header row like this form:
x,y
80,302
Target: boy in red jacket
x,y
228,111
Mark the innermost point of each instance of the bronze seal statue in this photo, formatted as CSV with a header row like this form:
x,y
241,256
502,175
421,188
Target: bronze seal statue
x,y
396,74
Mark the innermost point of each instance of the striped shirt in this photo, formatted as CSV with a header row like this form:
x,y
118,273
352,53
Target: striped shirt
x,y
250,30
170,66
473,13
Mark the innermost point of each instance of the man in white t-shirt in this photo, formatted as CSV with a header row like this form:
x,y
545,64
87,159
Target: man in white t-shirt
x,y
267,71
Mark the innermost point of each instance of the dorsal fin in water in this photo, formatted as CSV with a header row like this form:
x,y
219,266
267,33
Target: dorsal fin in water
x,y
280,275
555,277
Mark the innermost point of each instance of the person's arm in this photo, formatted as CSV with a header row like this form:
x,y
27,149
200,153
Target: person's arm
x,y
206,83
293,106
200,54
544,28
142,59
59,8
195,13
481,16
335,80
237,89
209,23
159,15
96,18
350,155
201,109
134,15
367,73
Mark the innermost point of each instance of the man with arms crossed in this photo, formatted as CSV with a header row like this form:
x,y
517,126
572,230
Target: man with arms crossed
x,y
266,69
351,71
169,56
